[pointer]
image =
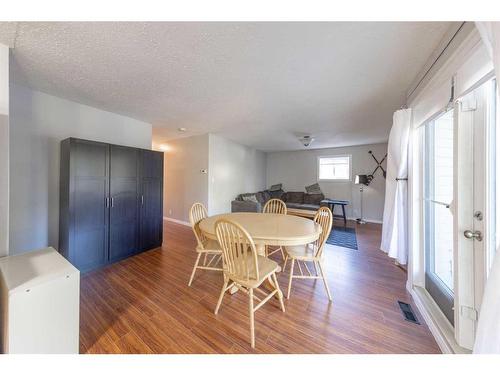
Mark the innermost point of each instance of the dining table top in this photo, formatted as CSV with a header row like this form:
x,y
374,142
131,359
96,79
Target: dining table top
x,y
268,229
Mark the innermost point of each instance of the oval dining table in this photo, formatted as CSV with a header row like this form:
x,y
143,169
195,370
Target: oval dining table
x,y
268,229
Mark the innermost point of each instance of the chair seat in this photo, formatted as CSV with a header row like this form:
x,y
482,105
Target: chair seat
x,y
266,268
210,246
301,252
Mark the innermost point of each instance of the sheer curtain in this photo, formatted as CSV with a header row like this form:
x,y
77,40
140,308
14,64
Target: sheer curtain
x,y
488,330
394,227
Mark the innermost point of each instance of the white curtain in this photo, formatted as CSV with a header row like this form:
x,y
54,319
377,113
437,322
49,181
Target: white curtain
x,y
488,330
394,228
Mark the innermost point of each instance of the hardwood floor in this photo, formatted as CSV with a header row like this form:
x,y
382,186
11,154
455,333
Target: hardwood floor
x,y
143,305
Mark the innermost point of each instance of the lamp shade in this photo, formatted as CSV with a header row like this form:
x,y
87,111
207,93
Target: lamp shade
x,y
362,179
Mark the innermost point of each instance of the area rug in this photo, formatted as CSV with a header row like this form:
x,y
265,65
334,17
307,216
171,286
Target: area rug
x,y
344,237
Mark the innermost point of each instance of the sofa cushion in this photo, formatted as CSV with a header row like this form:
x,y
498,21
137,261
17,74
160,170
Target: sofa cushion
x,y
314,189
276,194
260,197
302,206
295,197
266,196
276,187
313,198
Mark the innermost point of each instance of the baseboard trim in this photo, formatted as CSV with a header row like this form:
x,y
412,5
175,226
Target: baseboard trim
x,y
182,222
439,326
365,219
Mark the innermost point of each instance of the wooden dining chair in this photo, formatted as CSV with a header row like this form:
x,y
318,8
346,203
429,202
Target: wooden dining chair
x,y
312,253
275,206
244,269
209,249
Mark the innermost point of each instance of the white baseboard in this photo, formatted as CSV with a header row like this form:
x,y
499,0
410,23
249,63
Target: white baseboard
x,y
373,221
439,326
182,222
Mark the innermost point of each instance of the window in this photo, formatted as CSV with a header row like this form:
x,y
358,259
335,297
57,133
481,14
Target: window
x,y
336,168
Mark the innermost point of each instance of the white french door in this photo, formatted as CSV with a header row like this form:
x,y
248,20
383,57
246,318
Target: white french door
x,y
475,208
459,207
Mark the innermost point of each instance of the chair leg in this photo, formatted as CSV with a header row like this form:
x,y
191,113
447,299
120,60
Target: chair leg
x,y
284,264
222,292
282,253
194,269
280,293
315,268
290,280
252,323
324,281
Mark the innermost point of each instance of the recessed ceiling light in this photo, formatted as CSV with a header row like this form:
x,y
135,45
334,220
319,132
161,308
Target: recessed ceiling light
x,y
182,129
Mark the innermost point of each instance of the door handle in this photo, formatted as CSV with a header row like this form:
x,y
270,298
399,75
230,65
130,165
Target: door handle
x,y
473,235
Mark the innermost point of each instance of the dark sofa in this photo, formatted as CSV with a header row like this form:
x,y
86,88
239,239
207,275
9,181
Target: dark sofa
x,y
254,202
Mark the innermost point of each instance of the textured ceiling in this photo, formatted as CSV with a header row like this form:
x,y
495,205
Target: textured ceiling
x,y
261,84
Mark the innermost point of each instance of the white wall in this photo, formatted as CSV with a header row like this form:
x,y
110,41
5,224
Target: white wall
x,y
233,169
184,181
38,122
4,150
297,169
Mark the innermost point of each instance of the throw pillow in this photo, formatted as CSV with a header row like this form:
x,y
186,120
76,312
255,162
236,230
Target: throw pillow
x,y
314,189
250,198
275,187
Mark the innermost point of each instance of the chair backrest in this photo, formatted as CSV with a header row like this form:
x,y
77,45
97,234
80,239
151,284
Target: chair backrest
x,y
239,255
323,217
197,213
274,206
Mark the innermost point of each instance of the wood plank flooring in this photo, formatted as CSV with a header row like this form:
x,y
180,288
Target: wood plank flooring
x,y
143,305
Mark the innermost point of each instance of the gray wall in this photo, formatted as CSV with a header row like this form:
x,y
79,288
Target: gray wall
x,y
184,182
296,169
38,122
233,169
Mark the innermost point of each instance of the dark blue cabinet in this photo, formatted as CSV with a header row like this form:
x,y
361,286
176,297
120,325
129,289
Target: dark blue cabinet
x,y
111,200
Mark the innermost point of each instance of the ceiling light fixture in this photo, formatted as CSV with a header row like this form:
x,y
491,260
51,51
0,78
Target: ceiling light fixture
x,y
182,129
306,140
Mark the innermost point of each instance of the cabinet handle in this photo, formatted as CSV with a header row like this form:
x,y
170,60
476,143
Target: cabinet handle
x,y
112,202
106,202
142,200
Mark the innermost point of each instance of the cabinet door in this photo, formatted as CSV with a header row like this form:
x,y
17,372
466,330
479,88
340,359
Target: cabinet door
x,y
124,207
89,172
151,211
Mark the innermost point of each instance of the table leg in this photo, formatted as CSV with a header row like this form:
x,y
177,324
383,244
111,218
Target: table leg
x,y
343,213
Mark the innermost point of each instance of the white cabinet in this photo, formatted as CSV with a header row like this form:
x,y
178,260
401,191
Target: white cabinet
x,y
39,305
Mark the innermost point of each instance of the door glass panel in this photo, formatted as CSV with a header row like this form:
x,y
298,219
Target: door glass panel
x,y
439,223
440,196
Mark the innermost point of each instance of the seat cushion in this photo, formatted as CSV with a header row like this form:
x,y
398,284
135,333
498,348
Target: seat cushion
x,y
301,252
209,245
